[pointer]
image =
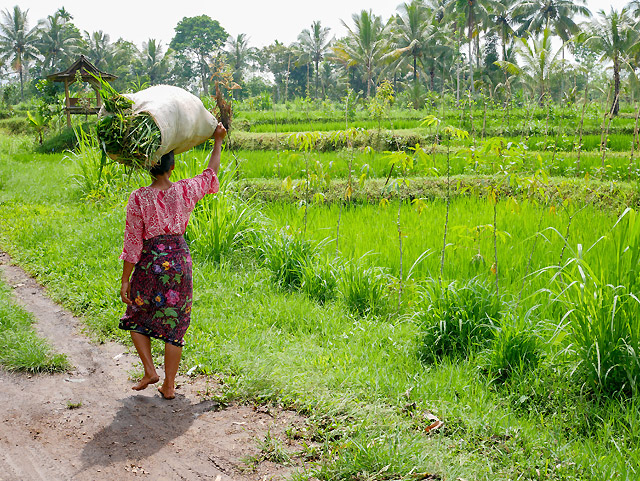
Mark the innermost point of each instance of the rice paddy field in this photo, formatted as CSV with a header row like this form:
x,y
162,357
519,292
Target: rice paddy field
x,y
463,308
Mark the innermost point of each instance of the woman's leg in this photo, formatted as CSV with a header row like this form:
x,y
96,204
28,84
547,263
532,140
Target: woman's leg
x,y
143,346
172,355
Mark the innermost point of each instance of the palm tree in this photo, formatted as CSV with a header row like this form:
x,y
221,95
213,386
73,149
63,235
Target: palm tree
x,y
412,32
474,12
59,41
154,62
557,15
64,14
503,23
539,60
99,48
364,45
615,37
439,9
17,41
315,44
239,54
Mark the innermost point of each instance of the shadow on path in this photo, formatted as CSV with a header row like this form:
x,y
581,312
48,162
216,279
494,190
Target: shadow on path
x,y
141,427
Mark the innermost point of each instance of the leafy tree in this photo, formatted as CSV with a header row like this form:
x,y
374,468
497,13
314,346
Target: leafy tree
x,y
278,59
502,20
614,36
199,39
17,41
124,63
315,43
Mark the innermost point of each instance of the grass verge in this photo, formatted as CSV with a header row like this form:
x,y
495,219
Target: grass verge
x,y
20,347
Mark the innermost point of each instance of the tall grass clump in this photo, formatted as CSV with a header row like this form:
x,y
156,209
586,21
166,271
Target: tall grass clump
x,y
516,349
95,178
455,319
364,290
288,257
319,279
222,224
598,289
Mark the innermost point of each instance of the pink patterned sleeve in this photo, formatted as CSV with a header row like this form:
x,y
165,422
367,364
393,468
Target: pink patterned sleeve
x,y
200,185
133,231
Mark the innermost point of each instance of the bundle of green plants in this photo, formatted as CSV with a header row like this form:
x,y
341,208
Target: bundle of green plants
x,y
127,137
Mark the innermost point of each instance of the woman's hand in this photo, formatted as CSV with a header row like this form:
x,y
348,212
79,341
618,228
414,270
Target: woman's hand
x,y
125,288
125,292
220,133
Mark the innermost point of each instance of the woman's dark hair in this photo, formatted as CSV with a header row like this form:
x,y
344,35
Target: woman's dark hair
x,y
166,162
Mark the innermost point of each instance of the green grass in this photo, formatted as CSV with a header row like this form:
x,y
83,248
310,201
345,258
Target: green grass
x,y
20,347
372,228
366,165
358,377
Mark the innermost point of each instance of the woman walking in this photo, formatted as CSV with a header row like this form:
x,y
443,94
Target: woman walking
x,y
160,291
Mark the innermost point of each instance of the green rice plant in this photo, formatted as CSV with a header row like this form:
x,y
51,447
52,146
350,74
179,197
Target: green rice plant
x,y
287,257
222,224
455,319
319,280
515,350
364,290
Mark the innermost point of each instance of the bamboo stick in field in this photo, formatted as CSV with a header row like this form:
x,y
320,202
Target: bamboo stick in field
x,y
446,219
605,134
584,108
275,122
633,143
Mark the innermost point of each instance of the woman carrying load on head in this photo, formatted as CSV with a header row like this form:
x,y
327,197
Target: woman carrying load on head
x,y
160,291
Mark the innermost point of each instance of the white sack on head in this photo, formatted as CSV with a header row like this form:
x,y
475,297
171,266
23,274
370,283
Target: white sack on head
x,y
183,120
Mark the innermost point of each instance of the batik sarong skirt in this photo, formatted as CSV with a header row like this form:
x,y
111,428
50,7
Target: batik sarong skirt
x,y
161,290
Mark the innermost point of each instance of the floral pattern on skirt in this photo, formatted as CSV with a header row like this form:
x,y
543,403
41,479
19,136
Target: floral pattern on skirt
x,y
161,290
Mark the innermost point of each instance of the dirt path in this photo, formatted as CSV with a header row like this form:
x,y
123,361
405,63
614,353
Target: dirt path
x,y
116,433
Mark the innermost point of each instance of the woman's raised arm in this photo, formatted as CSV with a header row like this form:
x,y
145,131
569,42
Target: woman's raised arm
x,y
218,136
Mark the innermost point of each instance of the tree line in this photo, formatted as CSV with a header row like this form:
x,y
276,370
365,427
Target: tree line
x,y
535,49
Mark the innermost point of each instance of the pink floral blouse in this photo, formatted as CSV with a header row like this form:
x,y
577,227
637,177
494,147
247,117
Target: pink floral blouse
x,y
152,212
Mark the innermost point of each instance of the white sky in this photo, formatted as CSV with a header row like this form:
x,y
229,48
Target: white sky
x,y
263,21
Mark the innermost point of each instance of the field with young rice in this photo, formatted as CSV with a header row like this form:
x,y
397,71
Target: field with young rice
x,y
502,304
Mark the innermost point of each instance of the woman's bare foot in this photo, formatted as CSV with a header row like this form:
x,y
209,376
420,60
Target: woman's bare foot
x,y
167,392
145,381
